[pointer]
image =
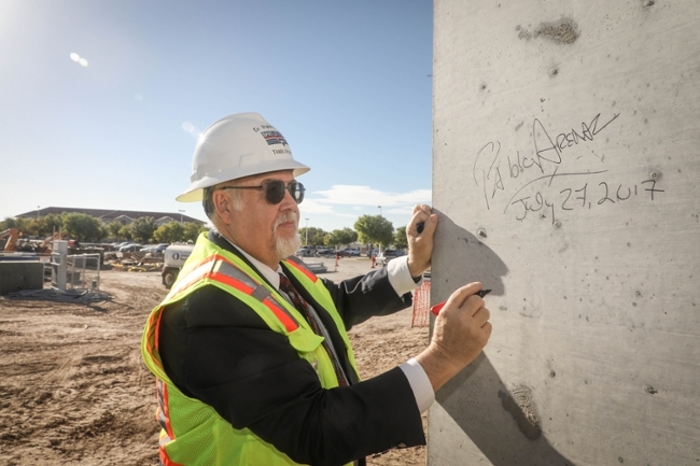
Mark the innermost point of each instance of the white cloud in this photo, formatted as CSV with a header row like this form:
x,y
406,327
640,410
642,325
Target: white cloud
x,y
312,206
341,205
366,196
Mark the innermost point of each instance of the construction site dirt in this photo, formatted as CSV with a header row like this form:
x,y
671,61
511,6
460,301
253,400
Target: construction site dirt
x,y
74,389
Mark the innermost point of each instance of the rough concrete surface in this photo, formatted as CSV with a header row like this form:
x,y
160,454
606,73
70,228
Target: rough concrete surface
x,y
565,168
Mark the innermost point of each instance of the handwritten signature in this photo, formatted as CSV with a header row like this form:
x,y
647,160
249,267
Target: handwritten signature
x,y
492,172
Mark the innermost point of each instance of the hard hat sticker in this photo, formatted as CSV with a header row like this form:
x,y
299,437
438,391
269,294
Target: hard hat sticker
x,y
274,137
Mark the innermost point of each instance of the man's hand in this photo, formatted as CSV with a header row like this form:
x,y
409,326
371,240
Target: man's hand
x,y
420,243
460,333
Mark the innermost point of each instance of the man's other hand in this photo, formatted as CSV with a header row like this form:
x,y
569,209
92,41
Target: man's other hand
x,y
419,233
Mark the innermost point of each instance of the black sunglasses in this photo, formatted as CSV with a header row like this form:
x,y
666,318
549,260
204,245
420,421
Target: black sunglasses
x,y
274,190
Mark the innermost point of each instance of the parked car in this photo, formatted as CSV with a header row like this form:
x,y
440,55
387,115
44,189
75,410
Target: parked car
x,y
387,255
305,252
349,252
325,252
133,247
155,248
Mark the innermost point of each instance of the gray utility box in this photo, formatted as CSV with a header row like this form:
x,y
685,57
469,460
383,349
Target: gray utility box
x,y
21,275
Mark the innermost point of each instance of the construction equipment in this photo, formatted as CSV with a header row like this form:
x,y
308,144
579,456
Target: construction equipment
x,y
12,234
45,246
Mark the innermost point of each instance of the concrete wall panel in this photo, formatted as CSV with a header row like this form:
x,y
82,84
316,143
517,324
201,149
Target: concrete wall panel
x,y
17,275
566,168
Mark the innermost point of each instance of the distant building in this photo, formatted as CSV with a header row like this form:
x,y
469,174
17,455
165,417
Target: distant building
x,y
109,216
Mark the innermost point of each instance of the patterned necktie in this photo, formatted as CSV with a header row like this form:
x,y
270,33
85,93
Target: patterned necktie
x,y
303,307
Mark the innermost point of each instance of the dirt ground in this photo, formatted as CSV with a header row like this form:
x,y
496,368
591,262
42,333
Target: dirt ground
x,y
73,388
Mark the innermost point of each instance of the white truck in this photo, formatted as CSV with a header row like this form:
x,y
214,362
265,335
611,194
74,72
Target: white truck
x,y
174,256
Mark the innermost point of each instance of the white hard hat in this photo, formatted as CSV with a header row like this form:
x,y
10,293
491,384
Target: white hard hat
x,y
234,147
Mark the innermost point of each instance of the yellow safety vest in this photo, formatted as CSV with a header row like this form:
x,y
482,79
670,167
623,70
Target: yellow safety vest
x,y
193,433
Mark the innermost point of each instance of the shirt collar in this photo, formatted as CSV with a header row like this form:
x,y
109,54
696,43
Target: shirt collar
x,y
272,276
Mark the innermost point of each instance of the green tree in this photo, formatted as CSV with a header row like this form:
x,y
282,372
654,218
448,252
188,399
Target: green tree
x,y
142,229
125,232
340,237
28,226
32,227
400,240
114,230
9,222
171,232
50,223
328,240
316,236
83,227
192,230
373,229
22,224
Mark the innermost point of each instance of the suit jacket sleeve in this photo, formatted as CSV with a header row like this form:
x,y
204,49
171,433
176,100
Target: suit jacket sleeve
x,y
362,297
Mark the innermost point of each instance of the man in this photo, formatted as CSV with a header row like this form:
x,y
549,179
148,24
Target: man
x,y
250,348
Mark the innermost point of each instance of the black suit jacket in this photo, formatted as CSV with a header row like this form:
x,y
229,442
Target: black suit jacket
x,y
218,350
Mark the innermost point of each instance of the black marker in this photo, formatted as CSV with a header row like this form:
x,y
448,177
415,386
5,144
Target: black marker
x,y
436,309
420,227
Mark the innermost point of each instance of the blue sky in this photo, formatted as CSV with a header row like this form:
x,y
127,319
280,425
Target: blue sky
x,y
101,101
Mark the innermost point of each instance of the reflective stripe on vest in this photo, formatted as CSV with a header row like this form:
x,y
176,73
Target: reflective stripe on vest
x,y
220,269
162,411
300,266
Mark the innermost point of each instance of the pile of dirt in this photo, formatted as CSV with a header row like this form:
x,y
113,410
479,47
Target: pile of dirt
x,y
73,388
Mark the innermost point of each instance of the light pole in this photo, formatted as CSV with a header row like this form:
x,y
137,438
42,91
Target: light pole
x,y
307,233
37,212
181,212
380,210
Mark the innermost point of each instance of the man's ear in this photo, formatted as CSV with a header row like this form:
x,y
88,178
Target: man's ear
x,y
222,206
